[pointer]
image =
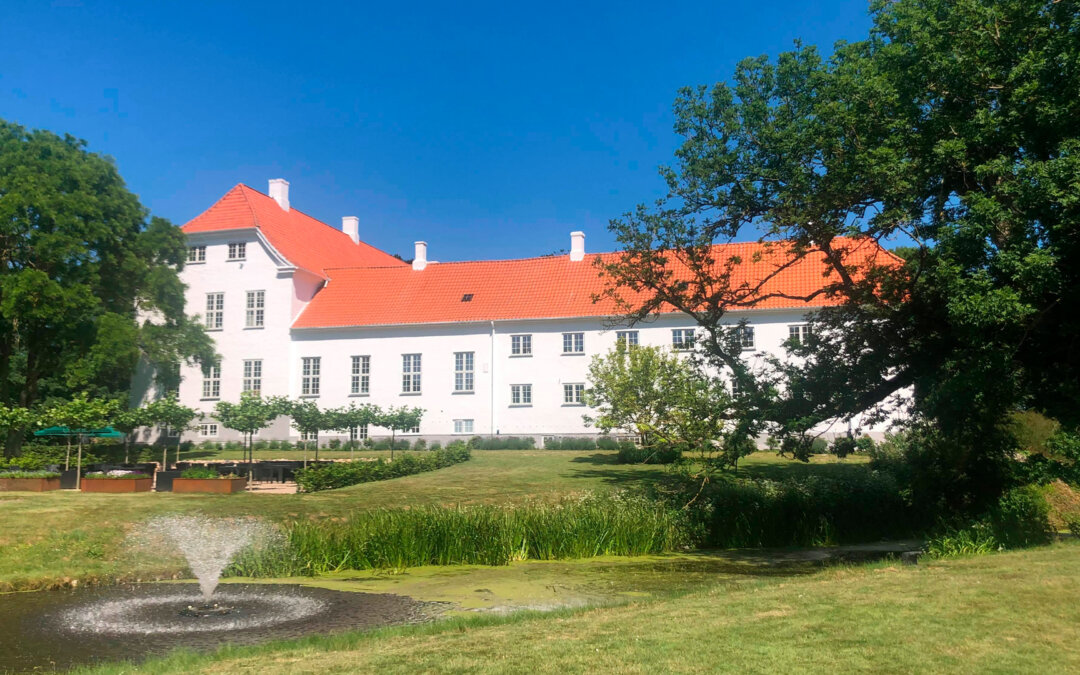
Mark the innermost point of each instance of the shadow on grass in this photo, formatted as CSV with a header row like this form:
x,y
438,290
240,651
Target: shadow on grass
x,y
788,469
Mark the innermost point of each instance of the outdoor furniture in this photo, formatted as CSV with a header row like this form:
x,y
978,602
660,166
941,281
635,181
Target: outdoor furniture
x,y
165,480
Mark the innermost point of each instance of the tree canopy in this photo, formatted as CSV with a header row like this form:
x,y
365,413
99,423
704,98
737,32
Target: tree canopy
x,y
83,269
951,129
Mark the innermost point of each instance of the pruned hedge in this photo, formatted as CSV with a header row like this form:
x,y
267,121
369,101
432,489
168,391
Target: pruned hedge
x,y
342,474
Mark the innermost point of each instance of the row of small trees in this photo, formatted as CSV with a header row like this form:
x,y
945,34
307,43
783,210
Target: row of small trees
x,y
252,414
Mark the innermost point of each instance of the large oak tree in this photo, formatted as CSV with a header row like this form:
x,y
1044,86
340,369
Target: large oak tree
x,y
81,261
952,129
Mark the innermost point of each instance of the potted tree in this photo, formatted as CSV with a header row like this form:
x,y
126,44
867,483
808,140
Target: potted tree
x,y
205,479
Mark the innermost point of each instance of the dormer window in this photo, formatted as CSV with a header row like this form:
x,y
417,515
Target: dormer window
x,y
196,254
237,250
467,297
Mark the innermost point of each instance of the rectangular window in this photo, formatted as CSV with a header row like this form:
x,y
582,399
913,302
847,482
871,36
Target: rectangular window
x,y
463,371
358,433
574,394
310,371
746,337
521,345
211,384
171,432
573,343
253,375
734,386
196,254
798,333
682,338
308,436
237,250
628,337
361,375
208,430
463,427
215,311
256,302
414,430
410,373
521,394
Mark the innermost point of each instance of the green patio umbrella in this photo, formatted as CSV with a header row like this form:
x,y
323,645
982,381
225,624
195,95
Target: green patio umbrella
x,y
67,432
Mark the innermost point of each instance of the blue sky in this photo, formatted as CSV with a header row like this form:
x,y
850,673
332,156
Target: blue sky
x,y
490,130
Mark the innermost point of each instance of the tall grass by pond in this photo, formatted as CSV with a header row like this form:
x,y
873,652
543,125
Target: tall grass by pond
x,y
582,527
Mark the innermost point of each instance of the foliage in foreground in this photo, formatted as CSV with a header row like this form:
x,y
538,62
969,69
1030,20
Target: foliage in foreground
x,y
342,474
1019,520
486,535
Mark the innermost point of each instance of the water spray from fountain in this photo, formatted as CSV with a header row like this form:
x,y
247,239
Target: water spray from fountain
x,y
209,544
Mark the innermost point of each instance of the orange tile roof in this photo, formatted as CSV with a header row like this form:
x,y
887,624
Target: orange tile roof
x,y
303,240
540,288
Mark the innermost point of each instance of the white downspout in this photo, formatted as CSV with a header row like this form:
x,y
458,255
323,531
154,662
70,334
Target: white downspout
x,y
492,393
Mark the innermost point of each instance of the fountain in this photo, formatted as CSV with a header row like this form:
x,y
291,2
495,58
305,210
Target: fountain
x,y
133,621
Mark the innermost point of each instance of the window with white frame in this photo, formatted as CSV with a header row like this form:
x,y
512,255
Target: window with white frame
x,y
237,250
574,394
171,431
798,333
310,372
521,394
573,343
521,345
196,254
256,304
252,375
211,384
734,385
361,375
410,373
626,337
463,371
463,427
358,433
208,430
215,311
682,338
746,337
308,436
413,430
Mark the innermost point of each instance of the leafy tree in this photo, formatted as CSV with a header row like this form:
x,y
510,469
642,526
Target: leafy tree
x,y
309,419
250,415
81,266
169,414
128,421
15,420
80,415
399,419
356,416
951,129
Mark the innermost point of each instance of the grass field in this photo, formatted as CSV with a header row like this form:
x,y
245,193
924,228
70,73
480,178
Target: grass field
x,y
50,539
1003,613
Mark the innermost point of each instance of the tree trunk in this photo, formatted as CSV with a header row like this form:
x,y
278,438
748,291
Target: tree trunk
x,y
316,446
78,467
392,442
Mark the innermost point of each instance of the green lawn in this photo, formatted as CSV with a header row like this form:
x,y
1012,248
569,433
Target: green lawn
x,y
50,539
1004,613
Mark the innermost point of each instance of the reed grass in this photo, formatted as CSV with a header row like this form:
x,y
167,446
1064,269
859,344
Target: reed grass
x,y
586,526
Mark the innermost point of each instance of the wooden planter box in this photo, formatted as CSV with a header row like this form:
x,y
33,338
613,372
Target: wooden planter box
x,y
221,486
116,485
29,484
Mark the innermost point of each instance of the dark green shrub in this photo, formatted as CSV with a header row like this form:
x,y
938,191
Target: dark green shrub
x,y
865,444
607,443
260,445
657,454
13,473
334,444
435,445
342,474
1022,518
502,443
275,445
420,444
568,443
199,472
842,446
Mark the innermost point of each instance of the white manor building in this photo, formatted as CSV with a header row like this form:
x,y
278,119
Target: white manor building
x,y
301,309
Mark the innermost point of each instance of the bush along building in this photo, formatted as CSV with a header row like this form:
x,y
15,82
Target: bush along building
x,y
302,309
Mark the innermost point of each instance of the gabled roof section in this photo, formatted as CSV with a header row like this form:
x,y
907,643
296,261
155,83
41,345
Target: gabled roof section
x,y
544,288
304,241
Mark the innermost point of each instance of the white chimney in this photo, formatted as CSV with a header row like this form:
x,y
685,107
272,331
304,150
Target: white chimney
x,y
279,190
577,246
420,259
350,225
